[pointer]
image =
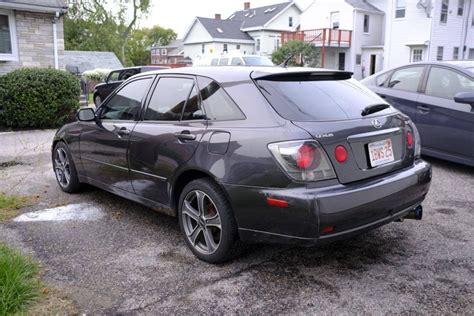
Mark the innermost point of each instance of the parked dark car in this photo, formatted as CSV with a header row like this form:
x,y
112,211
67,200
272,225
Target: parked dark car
x,y
439,98
116,78
245,154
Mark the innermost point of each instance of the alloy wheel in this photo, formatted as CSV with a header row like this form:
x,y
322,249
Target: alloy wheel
x,y
201,222
62,168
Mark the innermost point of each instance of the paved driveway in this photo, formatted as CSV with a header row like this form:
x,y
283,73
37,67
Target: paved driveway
x,y
121,257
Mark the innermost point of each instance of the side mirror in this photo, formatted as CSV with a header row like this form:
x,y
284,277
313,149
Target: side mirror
x,y
465,98
86,115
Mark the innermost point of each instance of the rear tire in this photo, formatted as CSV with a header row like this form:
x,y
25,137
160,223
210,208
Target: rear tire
x,y
207,222
64,169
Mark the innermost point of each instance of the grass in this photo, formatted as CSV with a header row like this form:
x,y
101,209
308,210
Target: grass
x,y
9,204
19,281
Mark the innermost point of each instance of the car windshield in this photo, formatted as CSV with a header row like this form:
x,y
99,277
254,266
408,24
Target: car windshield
x,y
319,100
257,61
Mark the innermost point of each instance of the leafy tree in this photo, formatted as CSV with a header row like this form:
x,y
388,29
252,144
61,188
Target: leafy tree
x,y
299,54
91,25
137,50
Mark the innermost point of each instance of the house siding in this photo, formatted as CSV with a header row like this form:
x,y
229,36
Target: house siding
x,y
34,32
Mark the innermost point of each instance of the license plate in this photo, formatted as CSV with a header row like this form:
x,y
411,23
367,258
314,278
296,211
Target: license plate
x,y
381,152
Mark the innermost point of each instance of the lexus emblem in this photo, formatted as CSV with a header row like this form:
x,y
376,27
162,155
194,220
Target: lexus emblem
x,y
376,123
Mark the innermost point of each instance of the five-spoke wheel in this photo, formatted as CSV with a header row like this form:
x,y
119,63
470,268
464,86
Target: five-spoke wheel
x,y
207,221
64,169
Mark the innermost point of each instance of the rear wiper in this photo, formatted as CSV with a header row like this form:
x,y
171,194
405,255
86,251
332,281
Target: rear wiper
x,y
374,108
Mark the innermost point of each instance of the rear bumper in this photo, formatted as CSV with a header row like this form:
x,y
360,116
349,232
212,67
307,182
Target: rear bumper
x,y
349,209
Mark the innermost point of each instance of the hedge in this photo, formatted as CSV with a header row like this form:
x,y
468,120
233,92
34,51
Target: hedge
x,y
38,97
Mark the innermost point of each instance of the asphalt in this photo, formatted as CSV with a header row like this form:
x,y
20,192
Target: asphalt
x,y
120,257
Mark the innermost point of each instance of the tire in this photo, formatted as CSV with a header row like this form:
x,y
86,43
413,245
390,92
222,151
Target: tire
x,y
198,227
97,100
63,165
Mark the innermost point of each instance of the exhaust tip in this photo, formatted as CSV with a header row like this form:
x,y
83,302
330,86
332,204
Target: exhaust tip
x,y
416,213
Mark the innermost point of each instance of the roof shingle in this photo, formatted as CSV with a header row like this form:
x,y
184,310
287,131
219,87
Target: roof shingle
x,y
257,17
229,29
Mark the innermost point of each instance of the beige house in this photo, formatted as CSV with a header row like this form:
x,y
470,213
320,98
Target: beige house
x,y
31,34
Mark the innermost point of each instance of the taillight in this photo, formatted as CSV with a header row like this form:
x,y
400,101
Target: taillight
x,y
340,153
303,160
416,140
410,139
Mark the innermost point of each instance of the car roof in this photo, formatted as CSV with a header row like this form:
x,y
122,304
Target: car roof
x,y
239,73
462,65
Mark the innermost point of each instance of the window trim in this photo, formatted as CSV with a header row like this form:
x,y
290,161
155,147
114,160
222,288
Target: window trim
x,y
290,21
441,21
368,24
437,53
460,8
152,88
14,56
456,56
412,57
420,84
118,89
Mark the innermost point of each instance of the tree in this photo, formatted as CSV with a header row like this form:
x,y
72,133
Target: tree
x,y
137,50
91,25
299,54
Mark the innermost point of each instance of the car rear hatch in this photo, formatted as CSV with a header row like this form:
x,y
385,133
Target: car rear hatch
x,y
338,111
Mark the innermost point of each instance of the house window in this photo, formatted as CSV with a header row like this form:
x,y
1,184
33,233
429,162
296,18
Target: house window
x,y
417,55
460,7
366,23
8,47
358,59
164,52
471,53
455,53
224,49
203,48
335,20
257,45
290,21
439,53
444,11
276,43
400,9
237,46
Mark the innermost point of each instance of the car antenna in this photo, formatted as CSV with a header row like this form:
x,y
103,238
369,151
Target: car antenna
x,y
284,64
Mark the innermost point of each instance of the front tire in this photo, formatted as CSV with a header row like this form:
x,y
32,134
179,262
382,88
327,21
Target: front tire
x,y
207,222
64,169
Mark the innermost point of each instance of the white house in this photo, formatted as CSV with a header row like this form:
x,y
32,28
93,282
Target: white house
x,y
389,33
250,31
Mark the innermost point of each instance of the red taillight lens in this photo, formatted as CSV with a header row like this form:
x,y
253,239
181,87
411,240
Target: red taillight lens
x,y
340,153
305,156
410,139
303,160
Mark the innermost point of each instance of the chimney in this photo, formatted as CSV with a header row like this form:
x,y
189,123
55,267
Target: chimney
x,y
246,5
217,16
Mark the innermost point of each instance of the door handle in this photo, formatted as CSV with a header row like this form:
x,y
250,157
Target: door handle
x,y
185,135
423,109
121,131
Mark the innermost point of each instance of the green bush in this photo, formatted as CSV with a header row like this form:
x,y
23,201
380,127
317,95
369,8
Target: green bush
x,y
38,97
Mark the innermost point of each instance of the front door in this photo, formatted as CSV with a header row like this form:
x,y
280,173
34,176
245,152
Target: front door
x,y
167,137
104,143
444,125
373,60
342,61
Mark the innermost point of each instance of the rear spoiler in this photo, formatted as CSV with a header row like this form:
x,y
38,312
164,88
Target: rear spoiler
x,y
302,75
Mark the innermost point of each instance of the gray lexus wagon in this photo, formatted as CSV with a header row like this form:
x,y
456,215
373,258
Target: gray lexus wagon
x,y
249,155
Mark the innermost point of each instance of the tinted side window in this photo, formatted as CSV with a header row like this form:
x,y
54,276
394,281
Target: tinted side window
x,y
126,104
193,110
406,79
217,104
446,83
223,61
124,75
236,61
113,76
169,99
380,80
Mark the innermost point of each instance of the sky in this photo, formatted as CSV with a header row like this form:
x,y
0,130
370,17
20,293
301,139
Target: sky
x,y
179,14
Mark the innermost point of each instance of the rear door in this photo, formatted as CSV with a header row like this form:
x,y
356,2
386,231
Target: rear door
x,y
444,125
167,136
402,89
104,143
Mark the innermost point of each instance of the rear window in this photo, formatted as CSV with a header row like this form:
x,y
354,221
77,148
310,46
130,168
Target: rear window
x,y
320,100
